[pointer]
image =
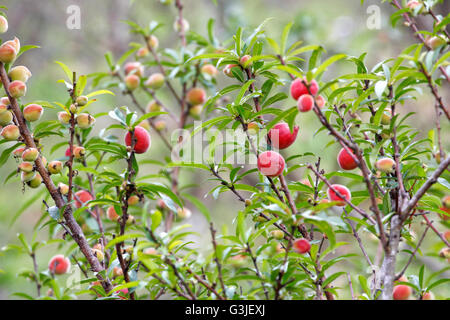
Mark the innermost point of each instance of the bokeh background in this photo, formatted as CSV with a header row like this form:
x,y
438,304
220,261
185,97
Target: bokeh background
x,y
338,25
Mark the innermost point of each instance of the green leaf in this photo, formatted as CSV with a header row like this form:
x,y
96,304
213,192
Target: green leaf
x,y
66,70
99,92
200,206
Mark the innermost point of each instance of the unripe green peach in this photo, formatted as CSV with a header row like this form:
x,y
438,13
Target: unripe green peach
x,y
7,53
385,165
160,125
85,120
63,188
133,200
26,166
82,100
6,118
244,61
55,167
79,152
64,117
155,81
177,25
253,128
209,70
3,108
386,117
142,52
20,73
277,234
17,89
27,176
132,82
30,154
33,112
145,124
153,106
17,153
10,132
98,254
153,42
134,68
184,213
435,42
259,219
196,111
35,182
196,96
3,24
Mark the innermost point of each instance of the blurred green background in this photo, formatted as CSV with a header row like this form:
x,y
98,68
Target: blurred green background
x,y
338,25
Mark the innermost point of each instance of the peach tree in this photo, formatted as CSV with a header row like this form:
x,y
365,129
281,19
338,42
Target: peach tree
x,y
124,228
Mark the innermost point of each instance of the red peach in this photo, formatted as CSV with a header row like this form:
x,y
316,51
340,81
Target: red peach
x,y
345,159
428,296
112,214
271,163
17,89
133,200
301,246
18,152
446,202
81,197
196,96
79,152
305,103
33,112
342,190
281,135
63,188
142,52
402,292
26,166
298,88
59,264
142,137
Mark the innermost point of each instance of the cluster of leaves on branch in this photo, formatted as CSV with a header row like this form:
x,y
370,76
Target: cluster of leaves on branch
x,y
122,227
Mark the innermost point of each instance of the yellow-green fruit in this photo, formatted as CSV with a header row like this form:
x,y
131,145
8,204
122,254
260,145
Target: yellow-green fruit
x,y
26,166
3,108
435,42
385,165
30,154
132,82
209,71
153,106
5,118
155,81
117,272
160,125
17,153
130,219
248,202
253,128
14,43
145,124
196,111
142,52
55,167
5,101
35,182
134,68
277,234
73,108
98,254
177,25
33,112
17,89
85,120
386,117
3,24
64,117
196,96
82,101
79,152
10,132
63,188
27,176
184,213
153,42
20,73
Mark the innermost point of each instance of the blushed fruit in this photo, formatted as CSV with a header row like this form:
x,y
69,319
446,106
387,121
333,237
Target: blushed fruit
x,y
183,25
27,176
150,251
227,70
447,235
155,81
445,253
244,61
3,24
82,101
153,42
435,42
30,154
196,96
446,202
277,234
132,82
59,264
142,137
8,53
85,120
17,153
63,188
281,136
320,101
153,106
35,182
117,272
6,118
160,125
17,89
342,190
145,124
385,165
402,292
20,73
142,52
79,152
446,216
133,200
26,166
301,246
209,70
10,132
184,213
3,108
271,163
345,159
64,117
134,68
305,103
98,254
73,108
196,111
130,219
161,204
428,296
298,88
253,128
413,4
55,167
33,112
81,197
112,214
14,43
5,101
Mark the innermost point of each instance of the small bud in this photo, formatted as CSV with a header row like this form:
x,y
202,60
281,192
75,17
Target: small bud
x,y
17,89
155,81
134,68
27,176
63,188
73,108
85,120
10,132
33,112
55,167
64,117
244,61
385,165
82,101
153,42
184,213
3,24
20,73
26,166
132,82
227,70
35,182
30,154
6,118
79,152
177,25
